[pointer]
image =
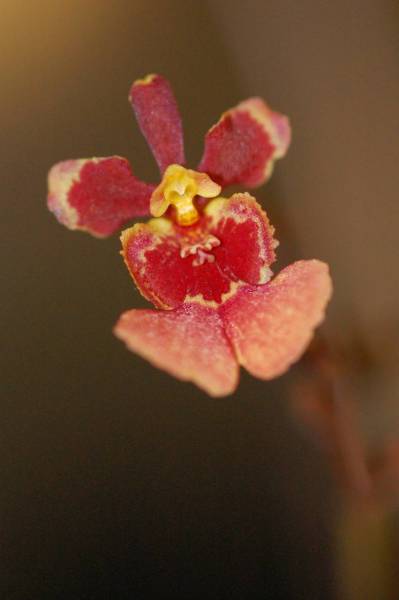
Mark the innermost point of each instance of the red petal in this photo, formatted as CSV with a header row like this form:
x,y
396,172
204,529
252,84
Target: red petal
x,y
158,116
241,247
152,253
271,325
246,236
97,195
242,147
188,343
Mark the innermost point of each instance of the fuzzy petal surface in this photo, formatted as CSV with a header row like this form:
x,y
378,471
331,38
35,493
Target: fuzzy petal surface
x,y
153,253
189,343
159,119
230,246
242,147
97,195
270,326
247,247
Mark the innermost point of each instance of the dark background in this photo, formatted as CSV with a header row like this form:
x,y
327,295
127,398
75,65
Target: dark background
x,y
116,480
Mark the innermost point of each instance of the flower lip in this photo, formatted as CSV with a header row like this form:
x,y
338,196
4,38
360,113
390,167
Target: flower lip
x,y
178,188
232,244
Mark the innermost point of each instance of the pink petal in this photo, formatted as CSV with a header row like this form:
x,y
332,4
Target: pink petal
x,y
242,147
188,342
97,195
271,325
158,117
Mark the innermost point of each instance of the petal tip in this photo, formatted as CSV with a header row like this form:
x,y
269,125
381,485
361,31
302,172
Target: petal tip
x,y
61,178
276,125
146,80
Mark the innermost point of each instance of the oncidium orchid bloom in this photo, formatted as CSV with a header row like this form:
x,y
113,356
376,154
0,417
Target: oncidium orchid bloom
x,y
203,259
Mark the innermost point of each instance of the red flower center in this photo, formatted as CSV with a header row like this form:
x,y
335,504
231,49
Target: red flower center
x,y
200,248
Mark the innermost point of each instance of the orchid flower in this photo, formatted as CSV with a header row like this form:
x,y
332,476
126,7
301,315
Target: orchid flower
x,y
203,259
